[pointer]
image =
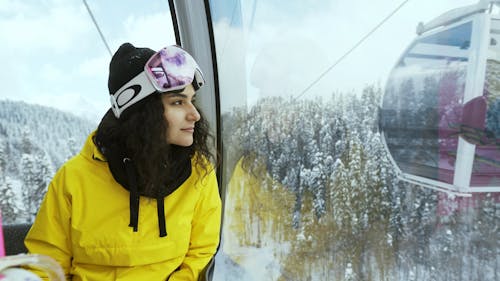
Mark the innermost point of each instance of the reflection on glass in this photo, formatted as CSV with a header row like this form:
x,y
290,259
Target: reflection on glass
x,y
422,106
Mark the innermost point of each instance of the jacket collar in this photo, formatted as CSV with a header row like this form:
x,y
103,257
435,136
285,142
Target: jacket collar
x,y
90,150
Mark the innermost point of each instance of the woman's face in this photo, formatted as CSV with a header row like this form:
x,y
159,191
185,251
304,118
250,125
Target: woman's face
x,y
181,115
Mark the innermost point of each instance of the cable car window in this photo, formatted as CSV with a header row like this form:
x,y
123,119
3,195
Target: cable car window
x,y
486,165
457,36
423,102
311,193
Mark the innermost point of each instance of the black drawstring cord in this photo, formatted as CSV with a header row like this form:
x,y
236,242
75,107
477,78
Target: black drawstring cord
x,y
134,194
162,224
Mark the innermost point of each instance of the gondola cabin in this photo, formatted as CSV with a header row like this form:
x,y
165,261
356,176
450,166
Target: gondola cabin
x,y
440,111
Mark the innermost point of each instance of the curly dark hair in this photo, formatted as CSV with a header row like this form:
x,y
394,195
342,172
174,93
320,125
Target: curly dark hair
x,y
141,134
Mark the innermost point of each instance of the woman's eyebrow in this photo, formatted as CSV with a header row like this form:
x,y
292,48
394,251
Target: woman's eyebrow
x,y
177,95
180,95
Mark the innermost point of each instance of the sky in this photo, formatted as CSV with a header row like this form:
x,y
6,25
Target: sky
x,y
52,53
290,46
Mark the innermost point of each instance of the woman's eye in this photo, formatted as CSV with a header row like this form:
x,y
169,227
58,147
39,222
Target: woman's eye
x,y
177,102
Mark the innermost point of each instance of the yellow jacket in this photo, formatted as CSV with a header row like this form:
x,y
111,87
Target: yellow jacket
x,y
83,224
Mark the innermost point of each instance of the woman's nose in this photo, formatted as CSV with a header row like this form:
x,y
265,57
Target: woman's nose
x,y
193,114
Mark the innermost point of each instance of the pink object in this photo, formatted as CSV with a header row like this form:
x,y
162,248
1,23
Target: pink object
x,y
2,247
474,113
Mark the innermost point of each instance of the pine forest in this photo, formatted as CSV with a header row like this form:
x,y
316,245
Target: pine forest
x,y
312,195
34,142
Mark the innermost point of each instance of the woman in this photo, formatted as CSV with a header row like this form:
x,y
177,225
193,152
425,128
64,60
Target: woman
x,y
140,201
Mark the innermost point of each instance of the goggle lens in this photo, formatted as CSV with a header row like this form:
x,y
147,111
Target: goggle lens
x,y
172,68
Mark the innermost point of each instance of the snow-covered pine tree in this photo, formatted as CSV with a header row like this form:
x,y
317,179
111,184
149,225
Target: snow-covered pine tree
x,y
36,171
3,160
10,210
44,173
8,204
73,147
29,174
27,146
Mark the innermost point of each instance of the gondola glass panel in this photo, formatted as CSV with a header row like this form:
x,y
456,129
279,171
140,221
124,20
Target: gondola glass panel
x,y
310,190
422,104
485,131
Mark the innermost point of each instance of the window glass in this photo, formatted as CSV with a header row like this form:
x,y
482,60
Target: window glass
x,y
486,166
310,191
54,84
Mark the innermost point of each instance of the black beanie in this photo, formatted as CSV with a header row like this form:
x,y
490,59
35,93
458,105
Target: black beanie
x,y
126,63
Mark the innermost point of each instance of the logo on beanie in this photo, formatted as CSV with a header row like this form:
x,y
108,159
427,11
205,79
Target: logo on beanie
x,y
127,95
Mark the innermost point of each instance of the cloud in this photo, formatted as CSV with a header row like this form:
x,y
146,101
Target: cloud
x,y
287,65
41,46
94,66
73,102
230,48
326,31
152,30
55,26
51,73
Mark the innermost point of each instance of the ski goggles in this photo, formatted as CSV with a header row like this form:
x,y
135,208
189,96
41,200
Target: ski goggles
x,y
170,69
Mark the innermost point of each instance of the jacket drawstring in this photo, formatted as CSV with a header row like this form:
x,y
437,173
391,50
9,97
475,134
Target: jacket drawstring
x,y
162,224
134,194
134,201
